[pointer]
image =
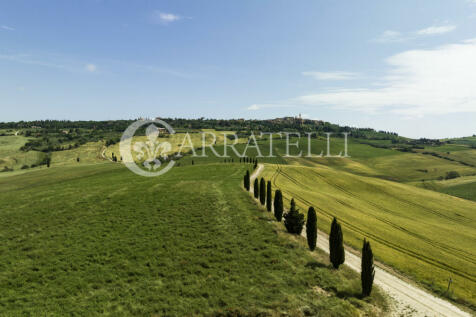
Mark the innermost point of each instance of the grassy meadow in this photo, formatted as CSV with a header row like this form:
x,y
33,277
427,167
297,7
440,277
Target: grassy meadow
x,y
426,235
95,239
179,140
11,156
90,236
463,187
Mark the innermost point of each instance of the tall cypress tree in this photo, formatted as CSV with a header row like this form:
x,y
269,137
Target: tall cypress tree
x,y
311,228
336,244
278,205
368,270
269,198
262,191
294,220
247,180
256,188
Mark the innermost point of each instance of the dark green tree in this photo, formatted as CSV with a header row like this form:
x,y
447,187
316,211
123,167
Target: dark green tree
x,y
262,191
247,181
336,245
269,198
368,270
311,228
278,205
294,220
256,188
48,160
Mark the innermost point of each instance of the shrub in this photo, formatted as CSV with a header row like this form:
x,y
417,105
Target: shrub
x,y
294,220
256,188
262,191
269,193
6,169
368,270
278,205
311,228
24,167
336,244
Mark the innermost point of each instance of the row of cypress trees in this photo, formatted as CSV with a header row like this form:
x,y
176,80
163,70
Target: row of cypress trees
x,y
294,221
248,160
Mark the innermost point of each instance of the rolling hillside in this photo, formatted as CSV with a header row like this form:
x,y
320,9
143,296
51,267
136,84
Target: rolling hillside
x,y
426,235
96,239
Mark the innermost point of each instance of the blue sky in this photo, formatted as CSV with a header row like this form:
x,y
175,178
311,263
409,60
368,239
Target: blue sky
x,y
403,66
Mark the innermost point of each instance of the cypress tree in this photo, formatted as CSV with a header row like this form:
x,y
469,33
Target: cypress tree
x,y
311,228
269,197
294,220
192,162
278,205
262,191
368,270
336,244
256,188
247,180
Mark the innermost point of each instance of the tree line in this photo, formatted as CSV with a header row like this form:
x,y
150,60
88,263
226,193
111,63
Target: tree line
x,y
294,223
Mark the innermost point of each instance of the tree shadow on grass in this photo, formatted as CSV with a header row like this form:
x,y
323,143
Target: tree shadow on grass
x,y
314,265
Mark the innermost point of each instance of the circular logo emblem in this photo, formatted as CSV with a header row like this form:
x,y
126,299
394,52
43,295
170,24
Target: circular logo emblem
x,y
147,156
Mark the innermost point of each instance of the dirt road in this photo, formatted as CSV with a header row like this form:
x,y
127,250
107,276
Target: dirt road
x,y
409,300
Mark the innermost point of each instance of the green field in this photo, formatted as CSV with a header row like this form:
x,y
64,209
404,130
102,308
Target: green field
x,y
426,235
87,153
463,187
180,141
12,157
422,233
95,239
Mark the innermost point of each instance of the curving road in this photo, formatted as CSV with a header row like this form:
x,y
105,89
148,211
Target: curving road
x,y
408,300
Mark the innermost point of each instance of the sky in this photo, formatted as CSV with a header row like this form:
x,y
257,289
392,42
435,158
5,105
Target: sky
x,y
402,66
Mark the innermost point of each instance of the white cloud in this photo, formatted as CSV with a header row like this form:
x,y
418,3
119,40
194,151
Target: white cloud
x,y
8,28
390,36
338,75
432,30
164,18
254,107
91,68
419,82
